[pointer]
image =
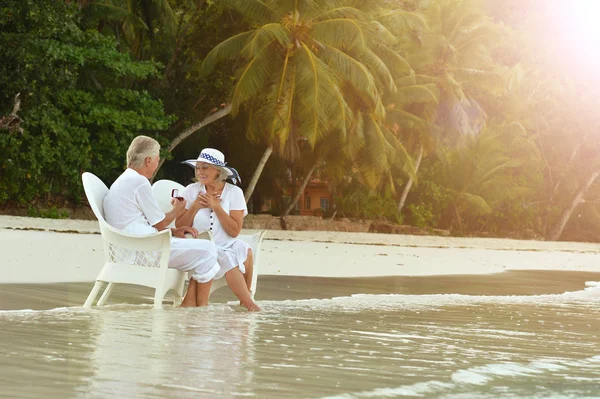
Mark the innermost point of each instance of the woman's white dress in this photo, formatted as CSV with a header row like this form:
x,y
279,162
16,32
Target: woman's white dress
x,y
232,252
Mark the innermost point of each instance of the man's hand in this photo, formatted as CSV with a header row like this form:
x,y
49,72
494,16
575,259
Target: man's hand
x,y
178,205
181,231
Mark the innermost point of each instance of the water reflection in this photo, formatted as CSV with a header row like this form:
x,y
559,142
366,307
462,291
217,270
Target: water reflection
x,y
145,353
44,353
348,347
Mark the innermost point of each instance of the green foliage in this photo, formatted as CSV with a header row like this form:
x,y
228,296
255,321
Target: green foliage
x,y
421,215
78,107
428,201
357,201
507,141
47,213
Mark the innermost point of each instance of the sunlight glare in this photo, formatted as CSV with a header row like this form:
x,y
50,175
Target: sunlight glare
x,y
581,27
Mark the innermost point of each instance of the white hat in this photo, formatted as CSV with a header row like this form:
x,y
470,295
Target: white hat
x,y
215,157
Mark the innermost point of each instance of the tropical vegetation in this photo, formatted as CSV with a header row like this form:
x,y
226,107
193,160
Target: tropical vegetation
x,y
433,113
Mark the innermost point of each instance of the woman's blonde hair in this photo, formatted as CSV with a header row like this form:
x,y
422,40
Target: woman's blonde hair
x,y
222,176
222,173
141,148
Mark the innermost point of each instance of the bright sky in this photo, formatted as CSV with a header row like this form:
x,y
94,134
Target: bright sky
x,y
572,35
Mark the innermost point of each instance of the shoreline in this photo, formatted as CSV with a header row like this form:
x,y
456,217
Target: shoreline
x,y
40,251
80,226
515,283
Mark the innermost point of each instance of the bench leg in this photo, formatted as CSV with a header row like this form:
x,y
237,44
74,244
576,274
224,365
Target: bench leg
x,y
93,294
106,294
159,294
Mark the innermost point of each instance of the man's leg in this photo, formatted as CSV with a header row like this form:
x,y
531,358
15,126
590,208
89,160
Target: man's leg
x,y
202,293
200,257
190,296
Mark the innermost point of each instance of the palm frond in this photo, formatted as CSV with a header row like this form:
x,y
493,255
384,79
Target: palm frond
x,y
408,80
378,69
164,13
398,65
341,12
282,105
479,78
356,134
474,203
465,23
225,51
254,77
399,21
381,34
266,34
354,73
256,11
314,82
372,161
484,34
340,33
110,12
417,94
408,120
399,156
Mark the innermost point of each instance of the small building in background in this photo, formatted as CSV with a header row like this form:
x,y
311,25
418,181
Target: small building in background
x,y
316,198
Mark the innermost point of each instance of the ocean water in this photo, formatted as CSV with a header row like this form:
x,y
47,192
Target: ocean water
x,y
372,345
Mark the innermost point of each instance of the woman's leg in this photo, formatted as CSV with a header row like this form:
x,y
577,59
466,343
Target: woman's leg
x,y
190,295
249,265
203,293
235,281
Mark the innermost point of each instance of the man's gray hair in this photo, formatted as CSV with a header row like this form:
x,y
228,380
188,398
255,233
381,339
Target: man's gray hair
x,y
141,148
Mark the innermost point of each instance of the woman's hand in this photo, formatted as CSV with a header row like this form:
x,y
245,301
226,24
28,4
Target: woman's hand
x,y
209,201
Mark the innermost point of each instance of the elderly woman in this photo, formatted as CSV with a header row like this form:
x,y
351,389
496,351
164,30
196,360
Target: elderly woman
x,y
220,207
131,207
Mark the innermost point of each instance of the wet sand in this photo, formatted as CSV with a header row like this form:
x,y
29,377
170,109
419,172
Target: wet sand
x,y
279,288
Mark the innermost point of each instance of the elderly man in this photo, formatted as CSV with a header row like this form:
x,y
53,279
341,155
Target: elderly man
x,y
131,207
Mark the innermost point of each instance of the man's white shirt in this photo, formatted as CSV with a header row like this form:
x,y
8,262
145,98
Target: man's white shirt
x,y
130,205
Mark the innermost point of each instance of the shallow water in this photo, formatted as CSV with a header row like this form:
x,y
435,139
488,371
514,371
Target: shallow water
x,y
354,346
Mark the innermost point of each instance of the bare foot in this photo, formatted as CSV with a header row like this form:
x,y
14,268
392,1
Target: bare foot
x,y
252,307
186,304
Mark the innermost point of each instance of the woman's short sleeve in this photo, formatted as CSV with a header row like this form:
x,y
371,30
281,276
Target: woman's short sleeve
x,y
237,201
190,194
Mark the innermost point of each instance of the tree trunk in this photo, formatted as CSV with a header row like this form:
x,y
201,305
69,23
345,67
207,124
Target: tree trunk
x,y
556,232
12,122
257,173
301,188
194,128
294,180
565,168
410,181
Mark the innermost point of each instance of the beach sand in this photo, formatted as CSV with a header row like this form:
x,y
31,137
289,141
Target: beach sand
x,y
51,263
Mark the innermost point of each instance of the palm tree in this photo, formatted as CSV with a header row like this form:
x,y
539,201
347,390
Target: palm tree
x,y
133,21
455,55
411,115
479,175
308,70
